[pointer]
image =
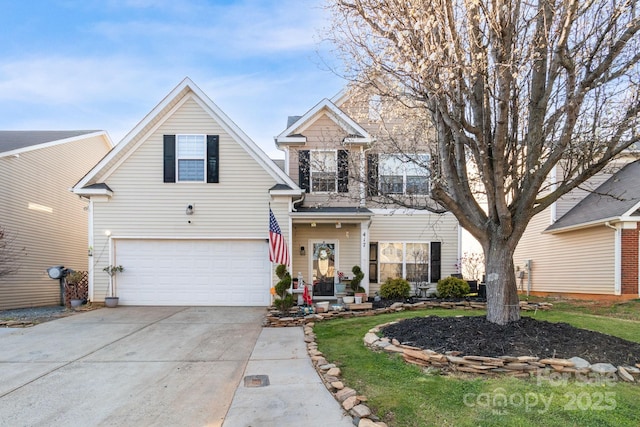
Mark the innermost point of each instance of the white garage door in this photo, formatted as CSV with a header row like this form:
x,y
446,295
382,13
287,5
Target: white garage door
x,y
193,272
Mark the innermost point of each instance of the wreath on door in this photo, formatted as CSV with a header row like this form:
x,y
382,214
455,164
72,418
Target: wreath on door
x,y
322,254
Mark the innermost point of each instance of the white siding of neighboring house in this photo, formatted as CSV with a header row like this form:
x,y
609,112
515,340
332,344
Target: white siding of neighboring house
x,y
394,226
43,239
580,261
144,206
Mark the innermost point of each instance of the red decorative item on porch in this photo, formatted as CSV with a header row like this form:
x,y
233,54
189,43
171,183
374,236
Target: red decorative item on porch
x,y
306,297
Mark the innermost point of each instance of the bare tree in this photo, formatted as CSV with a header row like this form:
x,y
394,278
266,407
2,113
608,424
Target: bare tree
x,y
514,91
8,254
472,265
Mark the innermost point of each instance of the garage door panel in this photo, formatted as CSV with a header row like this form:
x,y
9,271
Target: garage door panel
x,y
198,272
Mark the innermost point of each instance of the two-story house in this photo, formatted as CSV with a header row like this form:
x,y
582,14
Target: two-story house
x,y
183,202
364,167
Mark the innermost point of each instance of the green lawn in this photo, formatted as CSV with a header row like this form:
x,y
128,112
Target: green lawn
x,y
405,395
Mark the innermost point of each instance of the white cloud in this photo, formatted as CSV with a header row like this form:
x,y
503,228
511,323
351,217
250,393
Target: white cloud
x,y
60,80
237,29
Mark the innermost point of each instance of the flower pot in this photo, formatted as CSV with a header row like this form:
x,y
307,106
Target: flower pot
x,y
111,302
322,306
340,288
348,299
358,299
75,303
362,295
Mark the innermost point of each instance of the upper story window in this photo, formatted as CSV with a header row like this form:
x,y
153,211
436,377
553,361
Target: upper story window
x,y
323,171
403,174
191,158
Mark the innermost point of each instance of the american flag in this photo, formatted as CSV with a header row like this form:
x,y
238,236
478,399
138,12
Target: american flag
x,y
278,250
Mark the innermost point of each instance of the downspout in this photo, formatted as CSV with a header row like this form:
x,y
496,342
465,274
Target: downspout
x,y
617,284
90,263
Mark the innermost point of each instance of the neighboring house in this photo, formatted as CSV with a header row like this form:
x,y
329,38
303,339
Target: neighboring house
x,y
182,203
44,224
349,154
586,244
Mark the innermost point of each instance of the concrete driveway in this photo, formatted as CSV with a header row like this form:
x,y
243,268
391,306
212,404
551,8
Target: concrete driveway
x,y
171,366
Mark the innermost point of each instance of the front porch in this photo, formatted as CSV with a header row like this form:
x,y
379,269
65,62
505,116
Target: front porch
x,y
327,243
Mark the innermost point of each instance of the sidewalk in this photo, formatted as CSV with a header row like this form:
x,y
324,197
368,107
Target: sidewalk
x,y
295,395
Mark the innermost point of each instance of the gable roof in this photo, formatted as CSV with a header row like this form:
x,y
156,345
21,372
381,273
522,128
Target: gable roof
x,y
293,133
19,141
186,89
616,199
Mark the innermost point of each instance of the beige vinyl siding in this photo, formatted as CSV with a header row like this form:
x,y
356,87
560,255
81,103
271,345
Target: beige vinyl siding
x,y
348,247
580,261
395,226
569,200
325,134
44,239
144,206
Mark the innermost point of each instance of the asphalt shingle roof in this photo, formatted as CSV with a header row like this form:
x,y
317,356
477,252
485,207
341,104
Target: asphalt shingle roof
x,y
16,139
612,199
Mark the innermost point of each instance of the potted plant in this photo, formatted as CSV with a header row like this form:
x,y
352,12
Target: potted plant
x,y
358,291
111,300
340,286
73,279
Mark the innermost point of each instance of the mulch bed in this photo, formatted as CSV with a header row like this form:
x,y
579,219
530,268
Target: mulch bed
x,y
527,337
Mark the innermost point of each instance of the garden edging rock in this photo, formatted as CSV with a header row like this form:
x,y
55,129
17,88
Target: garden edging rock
x,y
515,366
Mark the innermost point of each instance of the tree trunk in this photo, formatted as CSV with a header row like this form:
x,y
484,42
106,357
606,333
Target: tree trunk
x,y
503,304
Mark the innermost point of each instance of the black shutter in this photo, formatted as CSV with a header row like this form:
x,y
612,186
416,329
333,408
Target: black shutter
x,y
169,158
435,261
343,171
304,169
213,161
372,174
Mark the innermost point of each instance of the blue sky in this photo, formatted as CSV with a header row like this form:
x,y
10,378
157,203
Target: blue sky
x,y
104,64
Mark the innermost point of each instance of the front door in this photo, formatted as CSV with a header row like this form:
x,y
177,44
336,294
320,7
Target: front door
x,y
323,262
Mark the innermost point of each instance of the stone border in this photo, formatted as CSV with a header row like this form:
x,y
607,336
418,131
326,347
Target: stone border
x,y
523,366
274,321
354,404
520,367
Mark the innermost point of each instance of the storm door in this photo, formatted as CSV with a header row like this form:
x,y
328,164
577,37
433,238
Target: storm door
x,y
323,262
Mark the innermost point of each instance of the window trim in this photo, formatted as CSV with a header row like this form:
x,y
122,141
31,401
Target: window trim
x,y
311,171
382,157
404,263
203,158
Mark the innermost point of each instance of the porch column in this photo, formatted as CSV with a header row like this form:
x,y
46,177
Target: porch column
x,y
364,252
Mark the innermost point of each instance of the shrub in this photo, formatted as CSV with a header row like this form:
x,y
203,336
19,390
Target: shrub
x,y
285,280
284,300
452,287
284,304
358,275
395,288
